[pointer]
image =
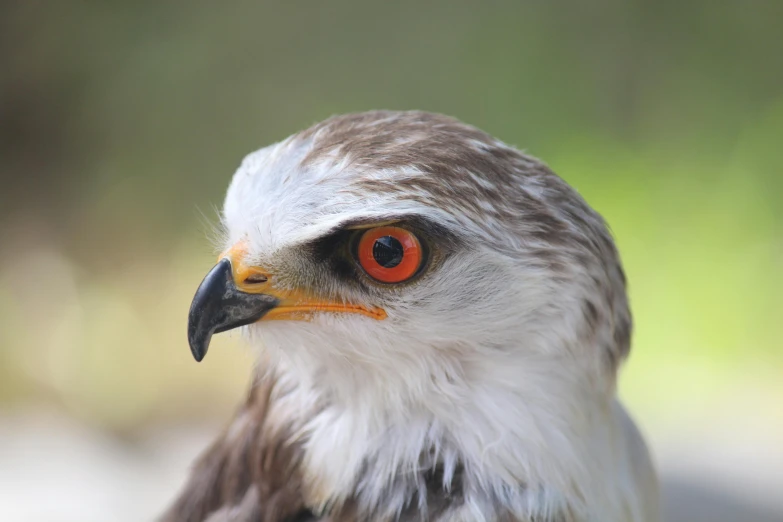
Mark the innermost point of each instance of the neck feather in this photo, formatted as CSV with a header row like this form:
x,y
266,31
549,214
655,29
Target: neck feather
x,y
519,432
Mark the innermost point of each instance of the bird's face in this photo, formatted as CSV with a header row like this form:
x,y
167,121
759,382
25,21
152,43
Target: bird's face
x,y
404,245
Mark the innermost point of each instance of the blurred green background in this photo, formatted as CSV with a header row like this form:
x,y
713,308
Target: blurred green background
x,y
122,123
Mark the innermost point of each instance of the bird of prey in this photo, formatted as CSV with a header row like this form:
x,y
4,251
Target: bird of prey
x,y
438,320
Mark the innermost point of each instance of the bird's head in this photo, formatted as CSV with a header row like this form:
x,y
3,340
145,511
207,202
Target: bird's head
x,y
409,250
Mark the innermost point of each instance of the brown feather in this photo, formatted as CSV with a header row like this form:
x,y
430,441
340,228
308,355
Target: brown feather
x,y
248,474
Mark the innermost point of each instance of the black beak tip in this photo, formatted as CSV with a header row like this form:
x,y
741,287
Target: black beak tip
x,y
198,347
198,353
198,338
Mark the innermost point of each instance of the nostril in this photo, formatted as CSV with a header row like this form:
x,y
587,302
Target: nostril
x,y
255,279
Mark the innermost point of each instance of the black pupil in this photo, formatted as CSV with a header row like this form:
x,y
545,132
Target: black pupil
x,y
387,251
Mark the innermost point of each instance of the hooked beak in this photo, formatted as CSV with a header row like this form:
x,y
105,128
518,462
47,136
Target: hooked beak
x,y
219,306
234,294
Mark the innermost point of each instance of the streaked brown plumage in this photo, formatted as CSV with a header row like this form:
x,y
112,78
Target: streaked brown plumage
x,y
247,474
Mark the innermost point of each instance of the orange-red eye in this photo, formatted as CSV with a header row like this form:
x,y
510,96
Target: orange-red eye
x,y
389,254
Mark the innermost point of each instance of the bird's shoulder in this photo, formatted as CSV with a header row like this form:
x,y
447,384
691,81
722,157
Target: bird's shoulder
x,y
249,473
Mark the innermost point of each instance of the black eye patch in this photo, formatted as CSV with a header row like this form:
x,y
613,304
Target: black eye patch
x,y
336,251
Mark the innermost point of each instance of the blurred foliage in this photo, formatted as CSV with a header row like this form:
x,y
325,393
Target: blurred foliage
x,y
121,124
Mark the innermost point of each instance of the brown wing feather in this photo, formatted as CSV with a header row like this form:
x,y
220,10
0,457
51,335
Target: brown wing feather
x,y
248,474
